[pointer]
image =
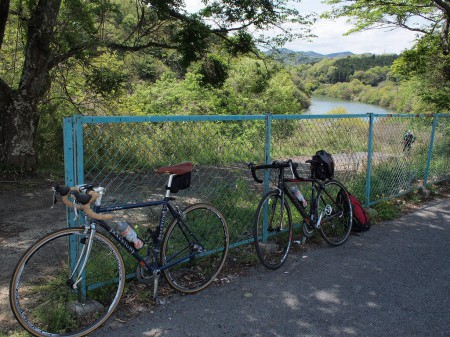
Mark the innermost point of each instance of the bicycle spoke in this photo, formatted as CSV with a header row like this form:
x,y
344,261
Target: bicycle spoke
x,y
273,230
197,248
333,206
42,296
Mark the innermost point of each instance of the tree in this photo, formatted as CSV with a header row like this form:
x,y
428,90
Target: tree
x,y
50,33
429,70
426,67
422,16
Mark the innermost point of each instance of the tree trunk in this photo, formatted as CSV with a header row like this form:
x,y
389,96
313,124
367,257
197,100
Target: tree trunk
x,y
18,133
20,116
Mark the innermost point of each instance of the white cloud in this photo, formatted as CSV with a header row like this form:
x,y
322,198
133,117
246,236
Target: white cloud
x,y
330,34
330,39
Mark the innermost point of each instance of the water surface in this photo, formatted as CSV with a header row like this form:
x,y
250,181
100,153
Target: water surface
x,y
323,104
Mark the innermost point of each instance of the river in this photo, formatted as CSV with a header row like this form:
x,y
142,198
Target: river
x,y
323,104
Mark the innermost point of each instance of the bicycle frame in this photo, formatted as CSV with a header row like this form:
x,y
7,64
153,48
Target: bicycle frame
x,y
329,203
283,188
313,219
155,268
158,236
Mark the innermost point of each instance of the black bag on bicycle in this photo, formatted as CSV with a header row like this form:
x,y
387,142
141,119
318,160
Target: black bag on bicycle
x,y
322,167
180,182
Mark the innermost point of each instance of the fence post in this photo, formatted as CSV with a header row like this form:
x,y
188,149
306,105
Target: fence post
x,y
369,158
73,157
72,145
69,161
265,212
267,156
69,153
79,147
430,151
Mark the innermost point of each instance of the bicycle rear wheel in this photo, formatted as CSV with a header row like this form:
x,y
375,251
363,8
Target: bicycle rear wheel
x,y
334,204
42,297
273,230
197,247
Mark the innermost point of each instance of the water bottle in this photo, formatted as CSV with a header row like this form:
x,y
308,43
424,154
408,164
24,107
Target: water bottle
x,y
299,195
129,234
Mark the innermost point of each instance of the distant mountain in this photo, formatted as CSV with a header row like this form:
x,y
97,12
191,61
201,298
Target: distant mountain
x,y
298,57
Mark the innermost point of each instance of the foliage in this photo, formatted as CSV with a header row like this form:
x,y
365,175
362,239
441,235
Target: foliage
x,y
424,70
85,54
429,70
387,210
214,71
372,76
423,16
370,68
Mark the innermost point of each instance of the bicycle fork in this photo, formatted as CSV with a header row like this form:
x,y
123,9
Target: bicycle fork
x,y
82,259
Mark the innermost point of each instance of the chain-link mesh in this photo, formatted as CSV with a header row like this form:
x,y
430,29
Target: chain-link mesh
x,y
345,138
123,157
401,163
440,156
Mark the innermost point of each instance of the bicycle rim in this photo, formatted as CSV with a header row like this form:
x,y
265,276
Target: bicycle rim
x,y
272,230
198,246
333,202
40,297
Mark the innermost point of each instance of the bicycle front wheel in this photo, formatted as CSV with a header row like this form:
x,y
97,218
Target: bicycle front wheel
x,y
195,248
334,207
273,230
42,295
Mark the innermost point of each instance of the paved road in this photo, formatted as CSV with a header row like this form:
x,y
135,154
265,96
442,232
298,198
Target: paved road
x,y
391,281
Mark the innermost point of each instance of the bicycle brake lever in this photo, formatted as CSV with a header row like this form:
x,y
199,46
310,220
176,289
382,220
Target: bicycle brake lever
x,y
54,198
75,210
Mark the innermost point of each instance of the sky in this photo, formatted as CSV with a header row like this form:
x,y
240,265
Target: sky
x,y
330,37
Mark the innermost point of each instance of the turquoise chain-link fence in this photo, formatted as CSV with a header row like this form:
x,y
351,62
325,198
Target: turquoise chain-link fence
x,y
122,154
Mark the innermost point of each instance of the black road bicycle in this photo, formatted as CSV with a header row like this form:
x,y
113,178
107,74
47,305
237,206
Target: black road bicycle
x,y
70,281
330,211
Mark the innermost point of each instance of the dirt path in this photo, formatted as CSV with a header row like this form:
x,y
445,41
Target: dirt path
x,y
25,215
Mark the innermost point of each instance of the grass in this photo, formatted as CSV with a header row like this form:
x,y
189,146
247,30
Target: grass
x,y
15,333
394,208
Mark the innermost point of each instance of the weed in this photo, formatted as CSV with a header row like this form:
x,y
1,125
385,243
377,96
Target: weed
x,y
15,333
387,210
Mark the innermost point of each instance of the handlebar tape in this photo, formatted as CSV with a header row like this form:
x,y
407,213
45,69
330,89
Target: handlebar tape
x,y
86,200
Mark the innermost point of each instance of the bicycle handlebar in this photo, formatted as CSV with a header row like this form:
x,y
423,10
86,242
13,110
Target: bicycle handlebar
x,y
84,196
274,165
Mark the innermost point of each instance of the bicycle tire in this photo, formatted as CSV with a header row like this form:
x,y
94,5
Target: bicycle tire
x,y
40,297
336,223
200,243
272,243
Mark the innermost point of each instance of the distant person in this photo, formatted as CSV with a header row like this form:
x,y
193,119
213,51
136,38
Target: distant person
x,y
408,139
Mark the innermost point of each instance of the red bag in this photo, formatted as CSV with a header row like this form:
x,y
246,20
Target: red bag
x,y
361,221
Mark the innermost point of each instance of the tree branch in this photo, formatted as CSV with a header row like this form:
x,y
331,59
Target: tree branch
x,y
121,47
444,6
